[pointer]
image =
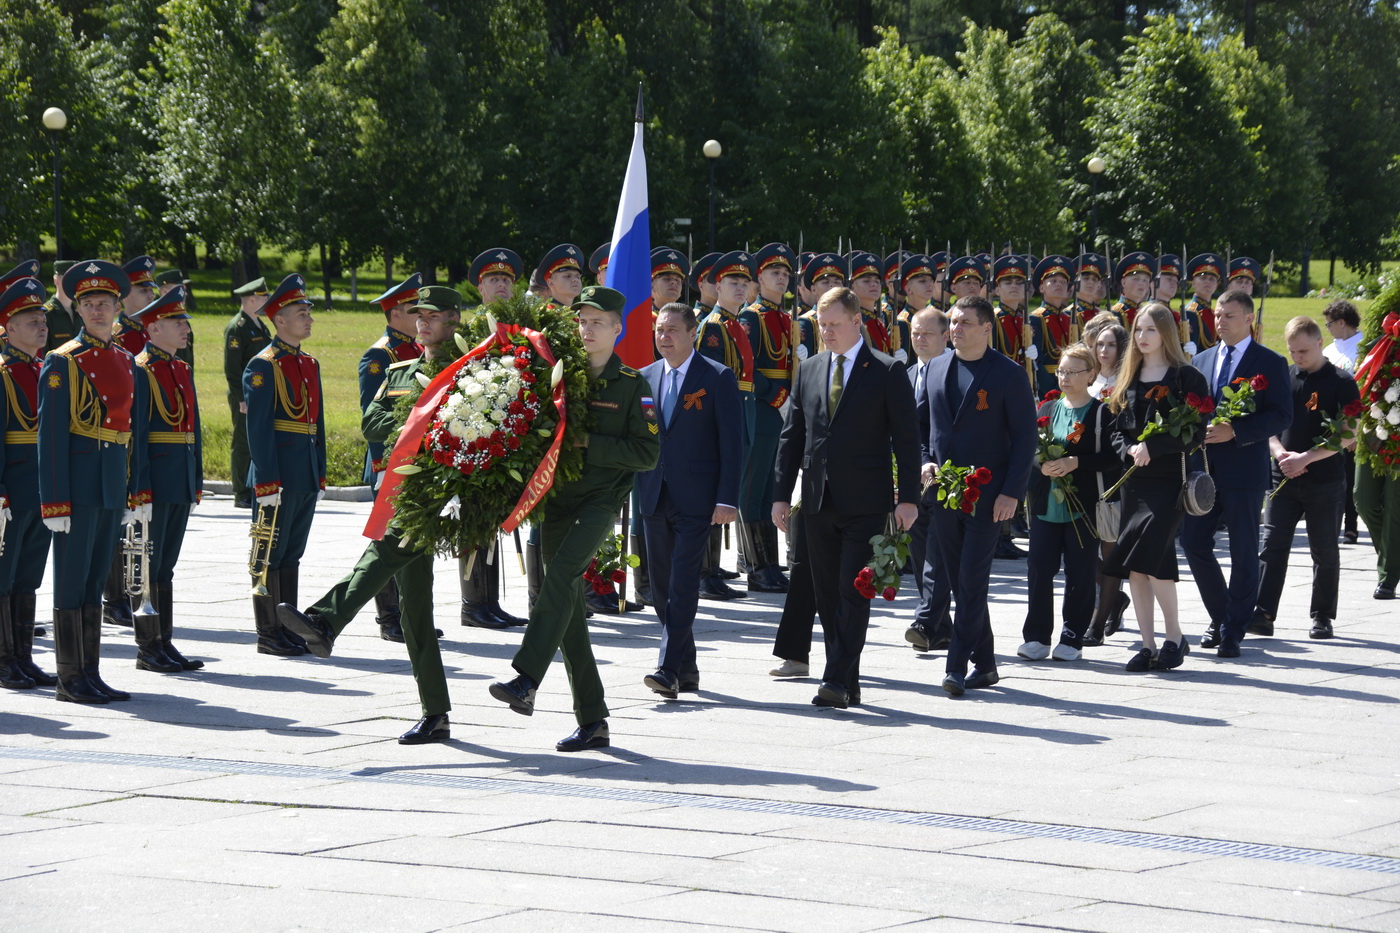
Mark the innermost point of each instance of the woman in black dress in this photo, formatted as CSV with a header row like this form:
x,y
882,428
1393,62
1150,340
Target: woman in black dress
x,y
1154,379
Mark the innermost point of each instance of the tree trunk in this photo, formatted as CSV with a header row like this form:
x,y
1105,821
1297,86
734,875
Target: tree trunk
x,y
1332,269
246,267
325,276
1249,20
1304,283
388,268
334,266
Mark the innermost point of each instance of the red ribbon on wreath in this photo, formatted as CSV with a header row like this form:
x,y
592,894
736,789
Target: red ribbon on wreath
x,y
420,419
1367,372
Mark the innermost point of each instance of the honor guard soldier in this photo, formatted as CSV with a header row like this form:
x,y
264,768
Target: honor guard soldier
x,y
804,302
395,345
26,539
1052,324
1090,271
90,405
769,329
866,278
1168,281
966,276
167,280
287,441
624,440
245,336
141,272
439,310
562,276
598,264
722,338
703,284
1011,336
1134,274
173,482
669,270
494,273
917,282
1204,271
62,317
1244,275
28,269
894,299
939,261
820,274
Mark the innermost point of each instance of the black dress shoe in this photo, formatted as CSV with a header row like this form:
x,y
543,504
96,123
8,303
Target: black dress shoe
x,y
1228,649
1008,551
953,685
391,629
78,690
713,587
643,594
940,643
761,582
593,735
1260,625
434,728
1350,537
310,627
1171,655
1144,660
664,683
852,697
519,694
1211,639
1321,628
727,574
479,616
832,695
689,686
506,617
917,637
978,679
243,502
1384,592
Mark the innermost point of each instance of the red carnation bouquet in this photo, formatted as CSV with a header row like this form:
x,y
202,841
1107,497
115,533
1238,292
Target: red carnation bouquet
x,y
881,574
1180,421
959,487
1238,399
607,570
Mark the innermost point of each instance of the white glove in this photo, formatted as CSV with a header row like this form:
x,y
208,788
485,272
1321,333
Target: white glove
x,y
320,494
274,499
143,512
1032,353
1189,348
60,525
377,481
128,516
4,520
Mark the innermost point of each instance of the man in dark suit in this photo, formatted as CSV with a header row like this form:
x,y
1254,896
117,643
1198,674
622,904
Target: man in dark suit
x,y
976,410
693,487
932,628
1238,452
853,408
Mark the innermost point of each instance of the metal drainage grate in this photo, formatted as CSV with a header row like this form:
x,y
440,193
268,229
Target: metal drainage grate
x,y
1187,844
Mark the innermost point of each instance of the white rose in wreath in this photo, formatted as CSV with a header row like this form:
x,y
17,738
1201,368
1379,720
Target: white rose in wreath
x,y
1392,394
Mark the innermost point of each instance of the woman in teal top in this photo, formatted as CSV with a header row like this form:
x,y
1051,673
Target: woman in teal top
x,y
1061,528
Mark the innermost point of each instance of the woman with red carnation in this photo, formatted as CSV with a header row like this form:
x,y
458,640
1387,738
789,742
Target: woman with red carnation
x,y
1155,378
1061,493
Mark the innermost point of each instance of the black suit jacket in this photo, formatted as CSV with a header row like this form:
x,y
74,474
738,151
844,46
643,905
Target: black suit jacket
x,y
845,456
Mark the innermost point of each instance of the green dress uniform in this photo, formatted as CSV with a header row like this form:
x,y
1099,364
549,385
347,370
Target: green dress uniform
x,y
622,441
63,322
244,338
385,560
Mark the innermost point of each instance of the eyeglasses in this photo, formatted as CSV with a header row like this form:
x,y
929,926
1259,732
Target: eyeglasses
x,y
1071,372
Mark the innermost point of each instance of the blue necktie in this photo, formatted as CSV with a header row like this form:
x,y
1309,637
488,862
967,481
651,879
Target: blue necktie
x,y
668,404
1223,377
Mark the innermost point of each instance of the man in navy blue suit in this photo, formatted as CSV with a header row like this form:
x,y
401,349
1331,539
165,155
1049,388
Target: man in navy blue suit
x,y
852,410
693,487
976,410
1238,454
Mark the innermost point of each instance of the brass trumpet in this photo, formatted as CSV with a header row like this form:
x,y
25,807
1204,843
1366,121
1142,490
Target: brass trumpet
x,y
264,535
136,565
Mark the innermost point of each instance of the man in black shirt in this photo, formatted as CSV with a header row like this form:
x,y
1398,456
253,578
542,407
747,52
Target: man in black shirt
x,y
1309,482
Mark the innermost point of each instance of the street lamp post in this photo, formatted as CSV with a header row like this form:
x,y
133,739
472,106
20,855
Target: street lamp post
x,y
55,121
1096,167
713,150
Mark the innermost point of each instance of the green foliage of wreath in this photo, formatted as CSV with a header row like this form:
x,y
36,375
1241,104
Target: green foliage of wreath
x,y
486,498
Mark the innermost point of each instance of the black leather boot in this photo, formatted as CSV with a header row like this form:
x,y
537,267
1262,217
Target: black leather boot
x,y
476,597
150,652
534,572
712,585
116,607
763,573
12,677
386,612
165,605
493,599
92,654
73,685
23,607
288,580
270,640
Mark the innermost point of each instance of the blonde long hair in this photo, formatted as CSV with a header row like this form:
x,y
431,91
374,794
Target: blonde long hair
x,y
1162,316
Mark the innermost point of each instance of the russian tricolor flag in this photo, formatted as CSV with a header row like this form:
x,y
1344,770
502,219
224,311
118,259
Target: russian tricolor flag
x,y
629,264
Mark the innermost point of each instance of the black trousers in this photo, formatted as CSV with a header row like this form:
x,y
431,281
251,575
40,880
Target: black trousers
x,y
1320,506
1051,543
675,542
839,546
966,545
793,641
935,592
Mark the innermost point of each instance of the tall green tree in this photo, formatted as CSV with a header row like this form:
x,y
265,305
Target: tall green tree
x,y
1177,156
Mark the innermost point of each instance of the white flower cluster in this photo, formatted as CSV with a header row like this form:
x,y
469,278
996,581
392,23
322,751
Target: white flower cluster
x,y
481,402
1386,412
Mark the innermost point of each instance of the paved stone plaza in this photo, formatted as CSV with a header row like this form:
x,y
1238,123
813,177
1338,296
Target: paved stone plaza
x,y
268,794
